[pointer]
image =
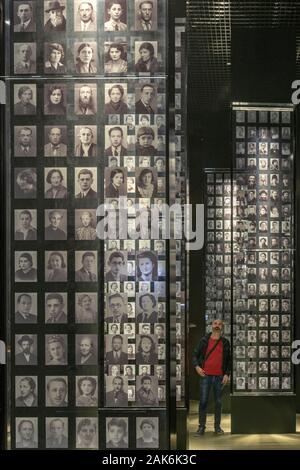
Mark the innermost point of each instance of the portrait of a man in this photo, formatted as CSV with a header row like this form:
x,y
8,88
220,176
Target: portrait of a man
x,y
116,346
85,182
116,15
24,306
116,142
85,99
24,15
85,15
56,391
25,58
147,388
55,19
116,306
26,431
25,350
55,304
25,141
116,391
85,138
88,270
145,15
116,267
55,138
57,433
146,99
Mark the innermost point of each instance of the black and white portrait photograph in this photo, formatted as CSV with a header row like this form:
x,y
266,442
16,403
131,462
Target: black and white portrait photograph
x,y
55,139
146,266
56,350
25,58
146,390
26,391
86,266
116,391
86,391
146,57
85,99
146,182
85,224
26,266
26,433
54,58
56,433
146,140
25,350
56,307
115,57
54,16
147,433
116,308
115,182
87,433
116,433
115,15
114,370
56,224
55,99
25,224
146,349
86,183
85,144
56,268
25,141
56,389
115,141
116,266
147,311
85,15
116,349
113,329
25,16
86,307
86,349
25,99
146,98
116,98
55,183
85,58
26,307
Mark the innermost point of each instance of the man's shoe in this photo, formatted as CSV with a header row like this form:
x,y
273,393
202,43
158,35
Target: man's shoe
x,y
219,431
201,430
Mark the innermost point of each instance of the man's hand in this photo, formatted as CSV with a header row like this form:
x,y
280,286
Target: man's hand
x,y
200,371
225,379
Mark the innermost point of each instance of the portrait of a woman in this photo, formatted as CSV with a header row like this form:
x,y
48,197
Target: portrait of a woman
x,y
116,104
26,392
86,388
57,190
86,59
85,313
116,187
55,101
147,266
146,351
56,350
147,61
54,55
87,230
25,187
116,59
25,231
26,271
146,186
56,268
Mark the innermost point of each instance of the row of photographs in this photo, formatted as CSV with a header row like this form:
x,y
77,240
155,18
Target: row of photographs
x,y
147,349
263,383
262,336
147,183
263,116
86,16
147,311
262,133
263,352
145,98
273,257
263,367
264,148
119,57
146,141
87,432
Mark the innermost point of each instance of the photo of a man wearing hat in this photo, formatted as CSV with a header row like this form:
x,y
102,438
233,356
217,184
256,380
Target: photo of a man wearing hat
x,y
56,20
26,357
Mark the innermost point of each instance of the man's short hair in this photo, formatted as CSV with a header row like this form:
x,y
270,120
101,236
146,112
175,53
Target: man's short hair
x,y
55,296
116,254
86,254
116,128
88,3
85,171
25,129
146,1
147,85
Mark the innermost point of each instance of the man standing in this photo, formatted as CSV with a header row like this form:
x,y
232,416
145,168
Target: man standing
x,y
145,104
212,360
55,146
25,15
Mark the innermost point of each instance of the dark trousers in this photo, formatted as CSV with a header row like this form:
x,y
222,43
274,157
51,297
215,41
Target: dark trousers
x,y
206,383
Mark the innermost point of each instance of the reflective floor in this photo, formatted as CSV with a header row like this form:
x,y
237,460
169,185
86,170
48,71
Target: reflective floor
x,y
237,441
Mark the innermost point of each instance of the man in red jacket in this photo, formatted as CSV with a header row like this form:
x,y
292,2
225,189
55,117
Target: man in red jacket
x,y
212,361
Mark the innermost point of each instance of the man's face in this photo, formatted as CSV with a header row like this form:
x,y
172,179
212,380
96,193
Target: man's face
x,y
116,344
26,96
116,138
146,11
85,94
116,306
87,434
54,307
56,429
146,329
217,325
147,95
25,137
117,384
24,13
26,431
147,385
85,12
116,265
85,181
116,434
24,306
56,15
88,263
146,345
25,53
145,140
57,392
115,11
25,346
86,136
55,136
85,346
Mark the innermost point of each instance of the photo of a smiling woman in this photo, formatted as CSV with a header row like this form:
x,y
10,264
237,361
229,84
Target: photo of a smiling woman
x,y
86,58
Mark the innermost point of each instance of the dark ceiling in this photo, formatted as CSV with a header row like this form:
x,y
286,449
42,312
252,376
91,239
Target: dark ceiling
x,y
210,26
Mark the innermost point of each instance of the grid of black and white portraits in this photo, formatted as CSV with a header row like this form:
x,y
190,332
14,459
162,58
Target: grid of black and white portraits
x,y
263,253
88,317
